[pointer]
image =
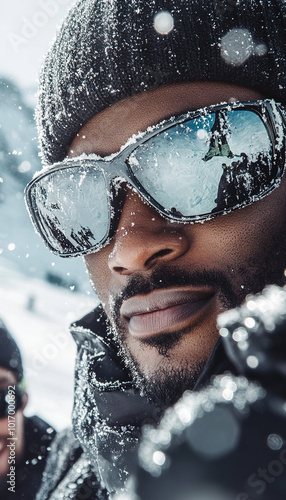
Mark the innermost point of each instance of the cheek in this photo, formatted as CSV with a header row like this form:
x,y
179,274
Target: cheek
x,y
247,233
99,272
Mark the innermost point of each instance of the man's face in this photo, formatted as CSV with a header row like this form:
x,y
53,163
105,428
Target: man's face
x,y
163,284
8,378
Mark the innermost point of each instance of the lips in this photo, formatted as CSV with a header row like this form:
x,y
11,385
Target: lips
x,y
164,311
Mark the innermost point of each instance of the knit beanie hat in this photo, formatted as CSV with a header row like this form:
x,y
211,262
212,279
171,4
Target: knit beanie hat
x,y
10,357
107,50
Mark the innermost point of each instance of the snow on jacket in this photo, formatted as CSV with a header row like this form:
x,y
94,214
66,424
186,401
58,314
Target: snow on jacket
x,y
108,415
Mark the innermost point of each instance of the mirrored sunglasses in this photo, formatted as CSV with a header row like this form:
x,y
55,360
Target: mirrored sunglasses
x,y
190,168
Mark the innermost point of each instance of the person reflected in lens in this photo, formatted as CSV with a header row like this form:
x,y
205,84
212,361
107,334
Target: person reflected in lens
x,y
218,141
24,441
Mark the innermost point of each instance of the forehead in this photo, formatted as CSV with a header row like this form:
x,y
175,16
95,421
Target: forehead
x,y
107,131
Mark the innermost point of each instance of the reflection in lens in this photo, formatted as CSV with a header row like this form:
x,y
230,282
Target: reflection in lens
x,y
219,135
207,164
250,172
73,208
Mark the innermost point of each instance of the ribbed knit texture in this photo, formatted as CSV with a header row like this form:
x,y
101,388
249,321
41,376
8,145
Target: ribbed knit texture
x,y
107,50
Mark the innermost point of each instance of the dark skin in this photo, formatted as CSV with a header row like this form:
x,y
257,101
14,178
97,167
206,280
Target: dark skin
x,y
224,258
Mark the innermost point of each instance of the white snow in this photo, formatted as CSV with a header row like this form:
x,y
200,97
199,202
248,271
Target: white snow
x,y
26,30
38,314
163,22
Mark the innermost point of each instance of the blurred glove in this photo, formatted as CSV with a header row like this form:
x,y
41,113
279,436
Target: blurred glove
x,y
228,441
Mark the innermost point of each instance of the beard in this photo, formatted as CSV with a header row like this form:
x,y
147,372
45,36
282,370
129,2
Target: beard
x,y
166,385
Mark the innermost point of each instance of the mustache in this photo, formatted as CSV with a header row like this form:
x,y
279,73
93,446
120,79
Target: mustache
x,y
166,278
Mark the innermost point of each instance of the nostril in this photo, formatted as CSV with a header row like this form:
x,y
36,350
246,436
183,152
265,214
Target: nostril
x,y
119,269
149,262
158,255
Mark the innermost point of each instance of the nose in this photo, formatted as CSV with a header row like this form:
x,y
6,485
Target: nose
x,y
144,238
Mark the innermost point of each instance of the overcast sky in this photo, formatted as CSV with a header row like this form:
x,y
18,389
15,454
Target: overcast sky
x,y
26,29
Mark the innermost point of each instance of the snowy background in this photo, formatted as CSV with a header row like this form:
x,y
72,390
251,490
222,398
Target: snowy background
x,y
39,294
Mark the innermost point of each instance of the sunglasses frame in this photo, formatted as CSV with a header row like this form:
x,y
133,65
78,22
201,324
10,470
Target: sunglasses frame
x,y
116,167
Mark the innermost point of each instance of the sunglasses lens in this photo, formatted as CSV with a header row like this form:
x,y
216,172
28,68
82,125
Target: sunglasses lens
x,y
193,169
73,209
207,164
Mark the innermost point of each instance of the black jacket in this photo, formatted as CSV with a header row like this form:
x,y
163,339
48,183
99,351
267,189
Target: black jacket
x,y
107,418
38,439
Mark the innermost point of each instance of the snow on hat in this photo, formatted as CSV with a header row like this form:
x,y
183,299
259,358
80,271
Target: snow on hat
x,y
10,357
109,50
